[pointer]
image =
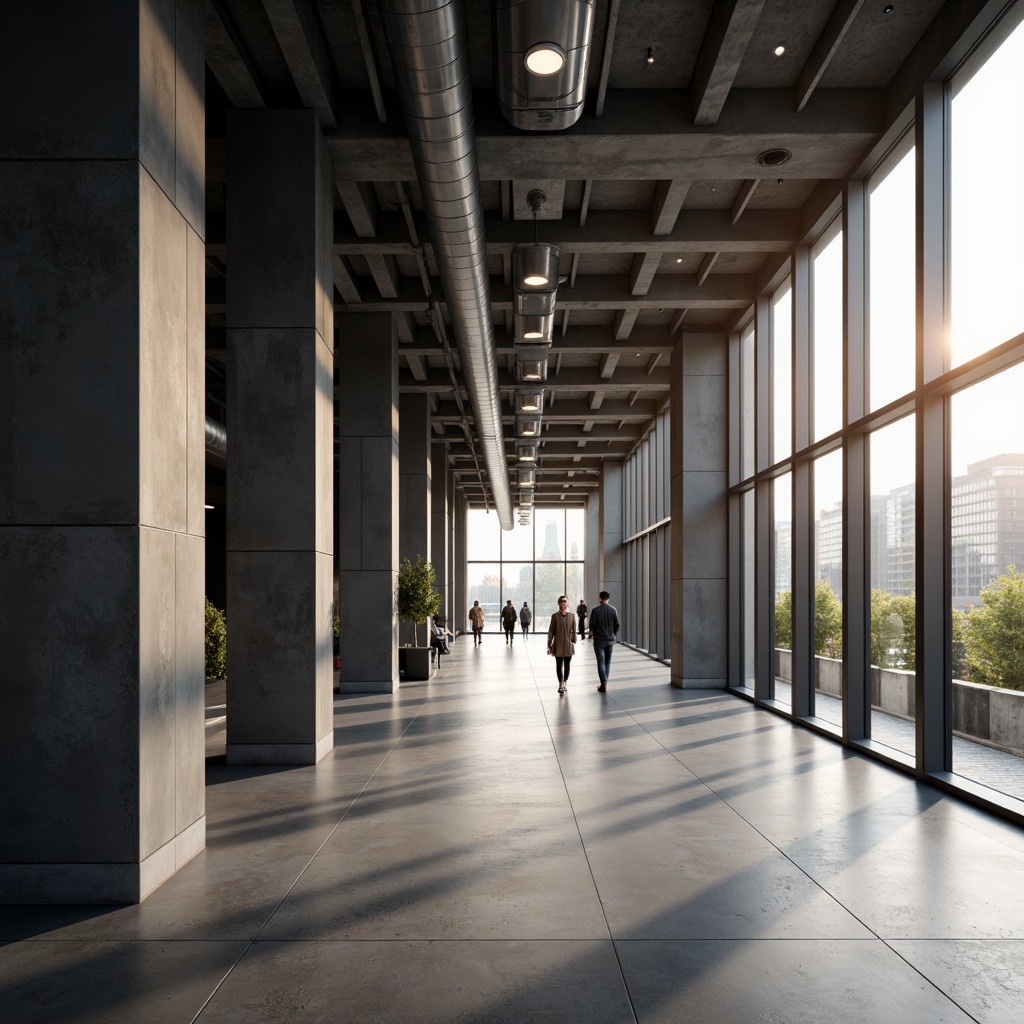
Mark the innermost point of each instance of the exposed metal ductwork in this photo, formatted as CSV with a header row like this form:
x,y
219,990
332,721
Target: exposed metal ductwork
x,y
428,44
216,438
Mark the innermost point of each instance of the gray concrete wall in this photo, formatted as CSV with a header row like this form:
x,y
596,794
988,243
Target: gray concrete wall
x,y
699,535
102,287
368,454
280,518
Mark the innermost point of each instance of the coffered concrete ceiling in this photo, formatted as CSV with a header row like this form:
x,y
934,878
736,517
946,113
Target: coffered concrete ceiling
x,y
667,224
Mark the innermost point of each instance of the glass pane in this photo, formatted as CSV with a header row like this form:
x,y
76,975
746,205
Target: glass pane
x,y
987,204
782,375
483,580
987,557
550,533
575,533
892,322
747,403
550,584
517,583
517,543
747,602
574,586
482,534
828,587
782,573
827,337
893,626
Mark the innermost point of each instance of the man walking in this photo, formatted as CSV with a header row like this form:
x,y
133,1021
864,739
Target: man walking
x,y
604,627
508,622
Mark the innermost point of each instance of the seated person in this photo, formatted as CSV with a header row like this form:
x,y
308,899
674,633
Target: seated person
x,y
438,638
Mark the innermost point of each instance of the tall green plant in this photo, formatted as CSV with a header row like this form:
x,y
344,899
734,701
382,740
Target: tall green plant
x,y
216,642
417,598
995,641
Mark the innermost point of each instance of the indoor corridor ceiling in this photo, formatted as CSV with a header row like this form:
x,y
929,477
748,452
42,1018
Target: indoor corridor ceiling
x,y
667,224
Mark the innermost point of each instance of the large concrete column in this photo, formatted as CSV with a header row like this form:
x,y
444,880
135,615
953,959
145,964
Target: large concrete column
x,y
368,510
102,292
610,567
414,500
440,524
592,550
461,608
280,336
698,460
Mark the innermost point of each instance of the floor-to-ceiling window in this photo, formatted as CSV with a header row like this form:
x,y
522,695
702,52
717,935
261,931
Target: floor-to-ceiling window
x,y
646,512
535,563
881,527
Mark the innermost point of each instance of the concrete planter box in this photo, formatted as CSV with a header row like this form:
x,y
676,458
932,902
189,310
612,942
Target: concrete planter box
x,y
986,713
416,662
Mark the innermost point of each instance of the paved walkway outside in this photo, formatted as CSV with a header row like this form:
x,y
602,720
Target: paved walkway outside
x,y
477,849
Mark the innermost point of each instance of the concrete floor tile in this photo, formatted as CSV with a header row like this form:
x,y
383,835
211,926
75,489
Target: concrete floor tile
x,y
465,877
108,982
426,982
985,978
799,982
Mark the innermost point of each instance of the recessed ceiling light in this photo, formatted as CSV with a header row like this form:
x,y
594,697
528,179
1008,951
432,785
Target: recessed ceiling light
x,y
773,157
544,59
650,54
679,259
779,50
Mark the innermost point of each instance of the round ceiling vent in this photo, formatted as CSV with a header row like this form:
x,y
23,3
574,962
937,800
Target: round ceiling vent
x,y
773,157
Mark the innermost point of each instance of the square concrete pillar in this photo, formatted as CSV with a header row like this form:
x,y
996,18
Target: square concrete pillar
x,y
367,513
610,568
592,550
280,524
461,589
102,288
698,460
440,524
414,499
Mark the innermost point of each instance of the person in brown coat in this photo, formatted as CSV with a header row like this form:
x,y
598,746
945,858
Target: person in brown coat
x,y
562,641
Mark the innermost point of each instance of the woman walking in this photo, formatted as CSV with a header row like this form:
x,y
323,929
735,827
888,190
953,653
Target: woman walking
x,y
562,642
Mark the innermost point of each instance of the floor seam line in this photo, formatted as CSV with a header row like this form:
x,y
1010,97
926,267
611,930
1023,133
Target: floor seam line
x,y
313,857
583,845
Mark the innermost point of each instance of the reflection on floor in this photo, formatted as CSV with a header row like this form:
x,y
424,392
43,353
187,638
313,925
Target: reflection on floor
x,y
998,769
478,849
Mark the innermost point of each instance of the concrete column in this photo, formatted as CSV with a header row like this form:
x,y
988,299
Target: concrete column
x,y
440,524
698,460
461,609
102,288
592,550
453,601
610,562
280,334
414,499
368,511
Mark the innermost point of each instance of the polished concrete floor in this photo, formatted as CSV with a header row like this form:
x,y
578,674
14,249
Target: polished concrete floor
x,y
477,849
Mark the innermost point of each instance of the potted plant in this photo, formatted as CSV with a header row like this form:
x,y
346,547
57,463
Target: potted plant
x,y
417,602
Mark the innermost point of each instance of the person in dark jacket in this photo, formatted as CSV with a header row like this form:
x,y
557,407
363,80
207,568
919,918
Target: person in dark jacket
x,y
508,622
581,618
525,618
604,627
